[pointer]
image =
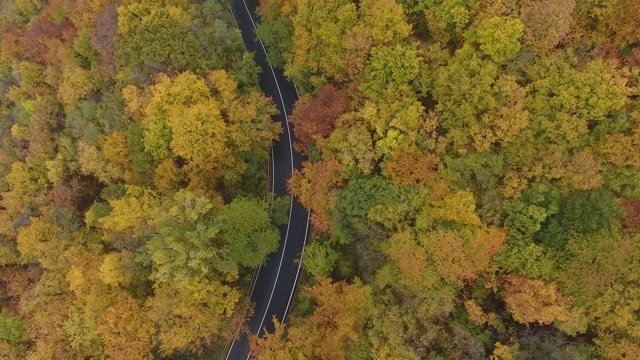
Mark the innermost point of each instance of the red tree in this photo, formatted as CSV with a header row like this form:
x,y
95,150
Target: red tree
x,y
10,42
67,195
317,116
47,40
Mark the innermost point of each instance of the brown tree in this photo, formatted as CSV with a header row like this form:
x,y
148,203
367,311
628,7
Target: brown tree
x,y
103,38
47,40
547,22
315,186
11,43
410,166
317,116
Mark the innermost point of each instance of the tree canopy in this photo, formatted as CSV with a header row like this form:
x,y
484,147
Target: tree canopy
x,y
133,158
481,181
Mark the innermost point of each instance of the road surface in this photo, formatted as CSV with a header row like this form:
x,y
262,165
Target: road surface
x,y
276,281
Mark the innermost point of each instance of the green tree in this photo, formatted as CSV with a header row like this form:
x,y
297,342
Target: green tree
x,y
152,33
319,258
247,232
279,209
582,212
597,262
185,245
391,66
448,19
13,328
198,238
476,106
593,92
317,50
373,199
276,32
499,37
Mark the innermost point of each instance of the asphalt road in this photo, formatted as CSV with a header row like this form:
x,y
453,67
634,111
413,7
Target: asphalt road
x,y
276,280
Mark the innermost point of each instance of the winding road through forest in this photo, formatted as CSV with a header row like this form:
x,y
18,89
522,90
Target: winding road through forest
x,y
275,282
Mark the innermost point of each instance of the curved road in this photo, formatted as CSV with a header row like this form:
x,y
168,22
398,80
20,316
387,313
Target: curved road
x,y
276,280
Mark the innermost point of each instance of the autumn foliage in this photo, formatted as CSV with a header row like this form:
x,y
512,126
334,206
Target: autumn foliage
x,y
315,186
472,169
317,116
125,149
482,176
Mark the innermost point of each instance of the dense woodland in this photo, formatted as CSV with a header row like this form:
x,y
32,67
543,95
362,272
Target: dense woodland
x,y
473,171
473,174
134,153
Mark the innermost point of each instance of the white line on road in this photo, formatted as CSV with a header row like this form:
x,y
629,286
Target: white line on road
x,y
306,232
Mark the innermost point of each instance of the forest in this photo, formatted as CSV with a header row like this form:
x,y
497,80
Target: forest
x,y
472,170
133,178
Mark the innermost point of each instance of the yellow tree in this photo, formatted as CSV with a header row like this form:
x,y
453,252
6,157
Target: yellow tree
x,y
337,320
46,306
131,210
274,346
380,22
535,301
407,255
461,255
250,128
189,317
183,119
218,137
42,241
91,297
384,21
352,143
126,330
499,37
116,152
92,162
319,29
119,268
622,149
76,84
